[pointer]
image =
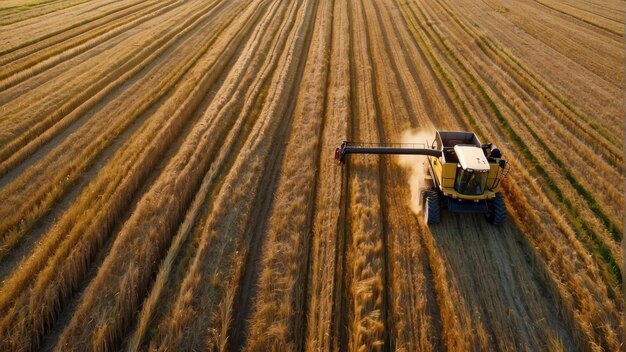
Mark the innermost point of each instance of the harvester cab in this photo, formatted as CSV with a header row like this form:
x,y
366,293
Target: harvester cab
x,y
465,174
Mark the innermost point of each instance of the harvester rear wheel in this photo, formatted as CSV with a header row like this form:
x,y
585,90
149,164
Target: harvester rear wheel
x,y
432,207
497,211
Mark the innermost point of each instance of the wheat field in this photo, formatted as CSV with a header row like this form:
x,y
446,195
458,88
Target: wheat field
x,y
167,179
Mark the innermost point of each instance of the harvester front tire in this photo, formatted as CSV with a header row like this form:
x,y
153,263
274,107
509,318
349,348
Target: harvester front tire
x,y
432,208
497,211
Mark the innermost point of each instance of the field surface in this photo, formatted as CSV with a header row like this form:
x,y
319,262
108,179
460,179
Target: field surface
x,y
167,179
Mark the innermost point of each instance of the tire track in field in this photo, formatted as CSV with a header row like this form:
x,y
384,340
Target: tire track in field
x,y
341,292
434,106
382,93
494,277
328,229
445,317
246,291
400,112
341,295
280,236
366,252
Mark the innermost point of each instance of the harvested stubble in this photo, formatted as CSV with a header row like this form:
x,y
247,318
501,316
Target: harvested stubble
x,y
186,146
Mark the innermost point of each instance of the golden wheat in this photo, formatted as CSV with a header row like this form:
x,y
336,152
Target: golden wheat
x,y
167,181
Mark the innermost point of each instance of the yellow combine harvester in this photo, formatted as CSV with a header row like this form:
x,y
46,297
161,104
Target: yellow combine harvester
x,y
465,174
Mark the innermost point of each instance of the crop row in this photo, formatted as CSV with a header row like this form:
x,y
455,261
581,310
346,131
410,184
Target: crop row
x,y
280,304
328,218
400,107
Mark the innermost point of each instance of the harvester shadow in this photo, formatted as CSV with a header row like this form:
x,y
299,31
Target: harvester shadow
x,y
497,286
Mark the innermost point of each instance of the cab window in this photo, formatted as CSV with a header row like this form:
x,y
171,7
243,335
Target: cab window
x,y
470,182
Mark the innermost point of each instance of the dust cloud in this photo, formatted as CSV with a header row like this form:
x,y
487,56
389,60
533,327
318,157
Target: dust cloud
x,y
416,164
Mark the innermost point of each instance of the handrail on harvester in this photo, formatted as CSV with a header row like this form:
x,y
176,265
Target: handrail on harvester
x,y
383,148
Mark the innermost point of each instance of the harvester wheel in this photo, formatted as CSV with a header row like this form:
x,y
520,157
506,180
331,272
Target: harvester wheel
x,y
497,211
432,207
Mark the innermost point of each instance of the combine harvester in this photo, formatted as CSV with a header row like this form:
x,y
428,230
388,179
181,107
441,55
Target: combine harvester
x,y
465,175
